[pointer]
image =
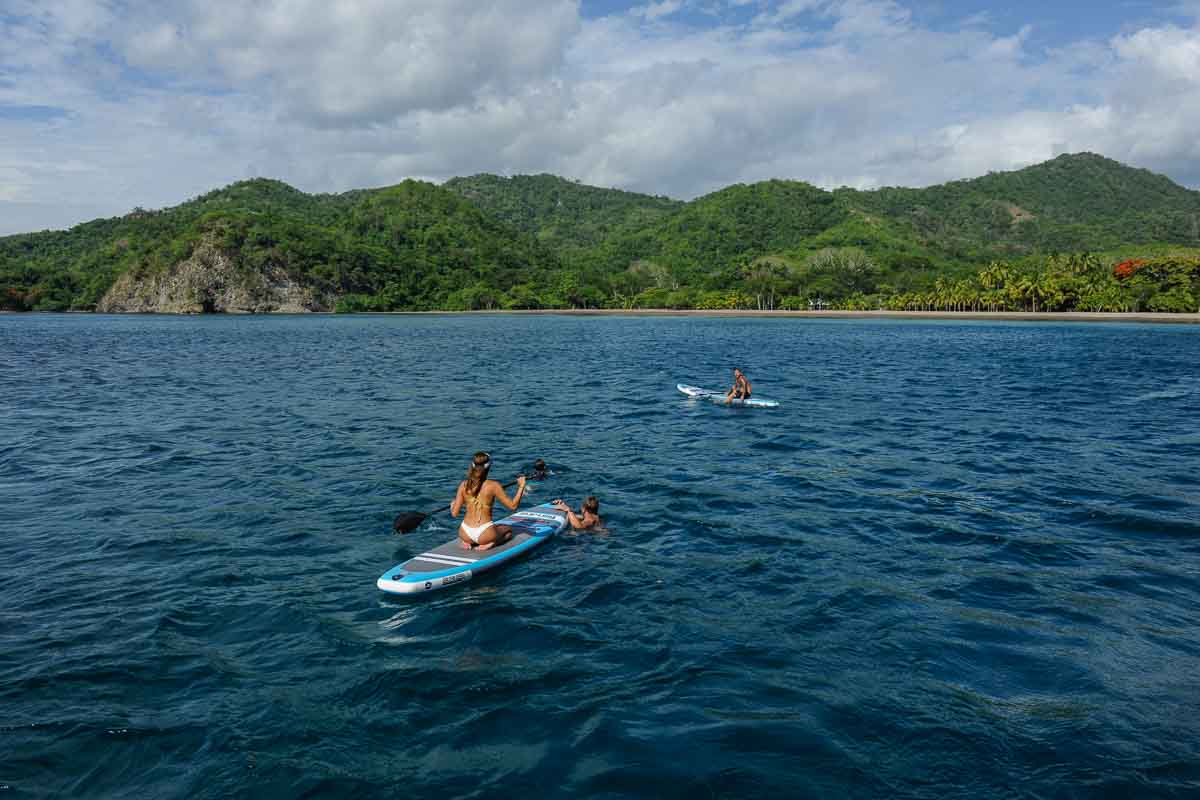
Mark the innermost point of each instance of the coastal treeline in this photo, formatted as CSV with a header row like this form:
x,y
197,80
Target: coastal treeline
x,y
1077,233
411,246
1078,282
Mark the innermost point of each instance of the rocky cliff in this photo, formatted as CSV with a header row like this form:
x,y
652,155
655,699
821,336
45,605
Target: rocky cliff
x,y
209,282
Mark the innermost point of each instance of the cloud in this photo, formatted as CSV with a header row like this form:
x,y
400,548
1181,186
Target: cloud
x,y
147,104
788,10
369,62
658,10
1172,53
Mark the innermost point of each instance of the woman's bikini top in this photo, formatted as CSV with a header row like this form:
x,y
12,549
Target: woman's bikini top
x,y
474,500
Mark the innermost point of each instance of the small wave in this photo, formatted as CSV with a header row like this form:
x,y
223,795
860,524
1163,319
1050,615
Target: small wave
x,y
953,558
1164,394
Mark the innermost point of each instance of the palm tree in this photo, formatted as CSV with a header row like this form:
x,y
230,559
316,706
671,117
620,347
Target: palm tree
x,y
941,293
1024,289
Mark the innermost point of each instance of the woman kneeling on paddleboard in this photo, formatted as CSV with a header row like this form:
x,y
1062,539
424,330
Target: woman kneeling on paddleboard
x,y
478,493
741,387
588,516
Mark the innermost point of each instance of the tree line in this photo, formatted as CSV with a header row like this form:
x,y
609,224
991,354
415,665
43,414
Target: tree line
x,y
1077,233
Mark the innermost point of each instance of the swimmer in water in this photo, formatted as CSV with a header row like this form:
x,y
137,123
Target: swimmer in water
x,y
588,516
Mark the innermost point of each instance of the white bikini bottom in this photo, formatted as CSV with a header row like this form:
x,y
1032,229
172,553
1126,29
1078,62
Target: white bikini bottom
x,y
473,533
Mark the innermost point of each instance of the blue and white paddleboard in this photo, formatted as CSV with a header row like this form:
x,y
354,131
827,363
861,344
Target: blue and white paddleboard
x,y
451,564
719,397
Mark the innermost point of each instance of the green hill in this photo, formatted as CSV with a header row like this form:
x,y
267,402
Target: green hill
x,y
433,249
564,215
1074,202
542,241
414,245
705,242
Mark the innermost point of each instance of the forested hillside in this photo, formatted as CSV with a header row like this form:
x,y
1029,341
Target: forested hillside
x,y
565,215
1080,202
1078,232
414,245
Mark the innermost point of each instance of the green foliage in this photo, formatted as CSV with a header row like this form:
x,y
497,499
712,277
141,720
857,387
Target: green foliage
x,y
1074,202
1079,282
436,250
412,246
850,271
726,229
566,216
999,242
723,301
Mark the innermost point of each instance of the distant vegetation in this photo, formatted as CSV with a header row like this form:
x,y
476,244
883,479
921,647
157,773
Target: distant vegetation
x,y
1080,232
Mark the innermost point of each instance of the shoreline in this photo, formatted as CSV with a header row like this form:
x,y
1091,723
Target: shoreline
x,y
994,316
997,316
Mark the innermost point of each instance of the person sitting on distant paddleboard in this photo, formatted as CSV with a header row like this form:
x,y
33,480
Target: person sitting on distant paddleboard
x,y
588,516
477,494
741,387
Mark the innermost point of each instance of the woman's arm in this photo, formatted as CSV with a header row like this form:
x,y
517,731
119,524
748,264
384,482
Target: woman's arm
x,y
459,497
511,505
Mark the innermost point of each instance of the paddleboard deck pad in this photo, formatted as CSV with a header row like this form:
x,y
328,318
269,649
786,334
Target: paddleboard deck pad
x,y
452,564
719,397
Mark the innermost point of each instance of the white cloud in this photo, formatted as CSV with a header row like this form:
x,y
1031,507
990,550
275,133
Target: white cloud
x,y
658,10
1171,52
362,63
164,101
787,10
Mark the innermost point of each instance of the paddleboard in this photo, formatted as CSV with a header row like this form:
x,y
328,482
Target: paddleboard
x,y
451,564
719,397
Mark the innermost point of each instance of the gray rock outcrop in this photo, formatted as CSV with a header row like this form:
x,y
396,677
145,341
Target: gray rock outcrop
x,y
210,282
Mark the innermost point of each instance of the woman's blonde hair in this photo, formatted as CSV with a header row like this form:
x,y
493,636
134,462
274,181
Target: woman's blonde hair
x,y
477,474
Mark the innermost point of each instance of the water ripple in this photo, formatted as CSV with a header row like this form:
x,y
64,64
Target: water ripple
x,y
960,561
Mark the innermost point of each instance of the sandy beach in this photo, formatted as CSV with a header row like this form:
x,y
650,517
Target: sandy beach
x,y
996,316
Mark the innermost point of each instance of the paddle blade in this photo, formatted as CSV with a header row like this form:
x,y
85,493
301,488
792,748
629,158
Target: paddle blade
x,y
407,521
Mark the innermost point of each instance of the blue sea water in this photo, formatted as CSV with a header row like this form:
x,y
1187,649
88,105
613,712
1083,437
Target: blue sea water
x,y
962,560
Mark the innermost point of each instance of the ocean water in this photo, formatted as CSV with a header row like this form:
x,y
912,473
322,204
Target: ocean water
x,y
962,560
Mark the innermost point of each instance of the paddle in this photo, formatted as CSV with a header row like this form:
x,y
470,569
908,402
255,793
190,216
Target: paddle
x,y
407,521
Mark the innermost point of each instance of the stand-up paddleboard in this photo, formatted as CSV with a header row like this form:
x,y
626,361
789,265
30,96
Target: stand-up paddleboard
x,y
451,564
719,397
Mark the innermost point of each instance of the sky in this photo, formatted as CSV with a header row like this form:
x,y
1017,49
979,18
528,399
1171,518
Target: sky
x,y
108,105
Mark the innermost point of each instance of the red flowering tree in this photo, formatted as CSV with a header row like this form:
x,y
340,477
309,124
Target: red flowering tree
x,y
1127,269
